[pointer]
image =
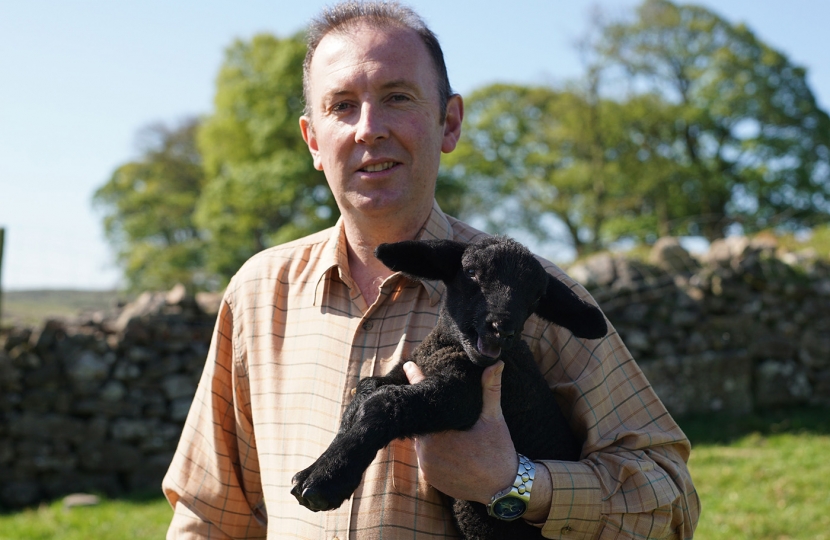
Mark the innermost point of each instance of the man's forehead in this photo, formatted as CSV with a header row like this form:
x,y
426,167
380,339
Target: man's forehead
x,y
368,48
373,30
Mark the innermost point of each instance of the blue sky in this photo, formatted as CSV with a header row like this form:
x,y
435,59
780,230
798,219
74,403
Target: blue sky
x,y
78,79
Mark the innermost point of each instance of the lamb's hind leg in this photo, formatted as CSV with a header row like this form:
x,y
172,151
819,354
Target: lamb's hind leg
x,y
474,523
389,413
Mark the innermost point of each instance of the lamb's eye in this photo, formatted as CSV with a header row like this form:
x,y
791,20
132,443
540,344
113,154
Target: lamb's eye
x,y
471,272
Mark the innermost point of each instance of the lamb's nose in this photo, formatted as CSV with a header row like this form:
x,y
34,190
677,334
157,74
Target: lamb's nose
x,y
502,331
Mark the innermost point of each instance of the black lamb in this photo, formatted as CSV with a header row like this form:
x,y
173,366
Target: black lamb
x,y
492,287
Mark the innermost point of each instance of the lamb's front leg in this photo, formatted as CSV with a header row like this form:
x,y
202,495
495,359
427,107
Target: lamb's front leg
x,y
365,388
389,413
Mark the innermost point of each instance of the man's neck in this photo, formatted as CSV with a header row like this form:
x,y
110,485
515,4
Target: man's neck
x,y
365,269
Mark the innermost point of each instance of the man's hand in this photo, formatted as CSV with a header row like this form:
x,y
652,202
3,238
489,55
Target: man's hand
x,y
470,465
474,465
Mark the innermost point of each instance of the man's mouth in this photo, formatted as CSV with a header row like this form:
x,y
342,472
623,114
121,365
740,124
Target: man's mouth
x,y
378,167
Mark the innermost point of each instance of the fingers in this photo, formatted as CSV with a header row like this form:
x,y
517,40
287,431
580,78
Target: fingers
x,y
491,391
413,373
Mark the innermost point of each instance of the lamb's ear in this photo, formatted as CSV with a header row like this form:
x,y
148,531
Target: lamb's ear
x,y
562,306
423,259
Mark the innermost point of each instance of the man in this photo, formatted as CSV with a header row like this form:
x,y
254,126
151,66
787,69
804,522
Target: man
x,y
302,323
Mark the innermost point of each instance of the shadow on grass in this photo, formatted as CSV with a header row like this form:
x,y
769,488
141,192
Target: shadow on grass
x,y
141,497
723,428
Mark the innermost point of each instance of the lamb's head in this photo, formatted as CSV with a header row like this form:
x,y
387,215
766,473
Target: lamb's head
x,y
493,286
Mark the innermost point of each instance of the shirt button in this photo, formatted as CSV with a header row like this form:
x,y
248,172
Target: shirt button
x,y
566,529
368,325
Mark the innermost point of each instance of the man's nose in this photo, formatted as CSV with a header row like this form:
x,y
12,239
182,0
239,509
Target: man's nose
x,y
371,125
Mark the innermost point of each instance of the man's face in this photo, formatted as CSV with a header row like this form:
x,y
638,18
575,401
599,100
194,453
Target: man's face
x,y
375,124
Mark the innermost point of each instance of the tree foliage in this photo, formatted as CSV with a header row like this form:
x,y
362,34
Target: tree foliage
x,y
262,188
683,124
531,151
148,206
748,145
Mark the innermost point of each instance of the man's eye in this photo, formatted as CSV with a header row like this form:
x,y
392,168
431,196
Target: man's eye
x,y
340,107
400,98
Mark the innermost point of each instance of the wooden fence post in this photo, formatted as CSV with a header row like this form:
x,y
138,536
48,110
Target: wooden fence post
x,y
2,238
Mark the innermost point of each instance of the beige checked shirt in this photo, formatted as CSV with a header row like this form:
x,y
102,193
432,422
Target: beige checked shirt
x,y
294,336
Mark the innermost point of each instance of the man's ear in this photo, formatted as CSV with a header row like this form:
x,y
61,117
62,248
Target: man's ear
x,y
311,140
423,259
560,305
452,123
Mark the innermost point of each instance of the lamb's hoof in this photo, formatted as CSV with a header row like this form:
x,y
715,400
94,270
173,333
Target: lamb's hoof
x,y
311,499
312,493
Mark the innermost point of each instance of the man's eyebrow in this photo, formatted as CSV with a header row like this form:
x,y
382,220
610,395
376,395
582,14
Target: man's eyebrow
x,y
399,83
336,94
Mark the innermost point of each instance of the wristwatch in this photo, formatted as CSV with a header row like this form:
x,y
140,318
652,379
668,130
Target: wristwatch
x,y
512,502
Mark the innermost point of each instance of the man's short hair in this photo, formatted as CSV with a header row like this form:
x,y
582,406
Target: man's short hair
x,y
345,15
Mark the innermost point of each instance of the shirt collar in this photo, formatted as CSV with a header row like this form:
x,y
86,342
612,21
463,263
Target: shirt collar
x,y
335,255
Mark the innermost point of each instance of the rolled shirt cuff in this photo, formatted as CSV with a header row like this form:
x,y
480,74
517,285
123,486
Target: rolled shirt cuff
x,y
576,501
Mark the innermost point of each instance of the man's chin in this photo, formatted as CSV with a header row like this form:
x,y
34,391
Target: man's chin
x,y
383,204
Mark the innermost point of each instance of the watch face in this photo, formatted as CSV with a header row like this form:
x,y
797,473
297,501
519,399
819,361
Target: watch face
x,y
509,508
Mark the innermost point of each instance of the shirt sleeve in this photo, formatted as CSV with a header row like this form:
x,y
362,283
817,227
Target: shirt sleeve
x,y
632,480
213,481
186,525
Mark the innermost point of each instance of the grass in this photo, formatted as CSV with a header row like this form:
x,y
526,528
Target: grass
x,y
764,487
818,239
762,476
33,306
136,518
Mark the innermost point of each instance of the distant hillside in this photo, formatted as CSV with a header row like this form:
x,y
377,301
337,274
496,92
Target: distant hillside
x,y
32,307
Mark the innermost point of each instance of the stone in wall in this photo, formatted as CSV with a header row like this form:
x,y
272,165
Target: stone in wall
x,y
712,381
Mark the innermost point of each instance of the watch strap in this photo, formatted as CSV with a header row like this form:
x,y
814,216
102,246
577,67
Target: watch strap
x,y
512,502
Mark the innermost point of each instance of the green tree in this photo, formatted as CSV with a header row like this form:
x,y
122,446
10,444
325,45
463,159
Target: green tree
x,y
528,152
148,205
744,144
262,188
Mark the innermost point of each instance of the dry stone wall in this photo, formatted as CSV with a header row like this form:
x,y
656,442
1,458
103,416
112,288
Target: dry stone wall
x,y
97,404
743,327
